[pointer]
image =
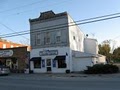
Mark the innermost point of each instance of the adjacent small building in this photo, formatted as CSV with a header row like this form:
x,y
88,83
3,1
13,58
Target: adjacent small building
x,y
14,58
8,44
14,55
58,45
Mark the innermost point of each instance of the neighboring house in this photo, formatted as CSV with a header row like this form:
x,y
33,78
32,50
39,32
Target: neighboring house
x,y
8,44
14,55
58,44
15,58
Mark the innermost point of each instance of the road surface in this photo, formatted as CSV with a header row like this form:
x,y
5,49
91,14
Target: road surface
x,y
41,82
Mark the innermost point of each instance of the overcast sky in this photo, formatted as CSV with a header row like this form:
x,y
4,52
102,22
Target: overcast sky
x,y
15,15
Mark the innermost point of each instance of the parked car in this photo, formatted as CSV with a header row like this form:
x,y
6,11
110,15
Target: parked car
x,y
4,70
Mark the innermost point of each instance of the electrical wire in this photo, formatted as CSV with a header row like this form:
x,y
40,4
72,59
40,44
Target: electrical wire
x,y
33,9
60,26
79,21
12,30
34,3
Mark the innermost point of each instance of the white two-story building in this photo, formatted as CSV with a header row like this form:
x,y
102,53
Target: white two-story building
x,y
59,45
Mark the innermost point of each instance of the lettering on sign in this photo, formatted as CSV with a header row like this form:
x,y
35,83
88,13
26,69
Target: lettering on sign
x,y
6,53
48,52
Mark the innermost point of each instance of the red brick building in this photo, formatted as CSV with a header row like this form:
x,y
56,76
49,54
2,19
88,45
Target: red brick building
x,y
14,55
15,58
8,44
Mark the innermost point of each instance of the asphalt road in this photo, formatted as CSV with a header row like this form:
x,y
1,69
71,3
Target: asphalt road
x,y
41,82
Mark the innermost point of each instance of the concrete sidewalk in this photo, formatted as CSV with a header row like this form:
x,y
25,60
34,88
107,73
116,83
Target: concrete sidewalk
x,y
75,75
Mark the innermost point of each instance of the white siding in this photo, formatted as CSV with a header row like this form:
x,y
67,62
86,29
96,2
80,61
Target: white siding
x,y
80,64
90,46
74,31
102,59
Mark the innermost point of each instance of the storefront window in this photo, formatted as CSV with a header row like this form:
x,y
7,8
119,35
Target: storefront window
x,y
37,64
61,64
54,63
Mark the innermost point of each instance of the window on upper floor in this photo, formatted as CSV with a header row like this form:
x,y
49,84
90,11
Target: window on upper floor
x,y
11,46
4,45
47,38
74,37
38,39
58,36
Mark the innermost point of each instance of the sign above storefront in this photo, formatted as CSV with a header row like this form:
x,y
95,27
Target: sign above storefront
x,y
48,52
6,53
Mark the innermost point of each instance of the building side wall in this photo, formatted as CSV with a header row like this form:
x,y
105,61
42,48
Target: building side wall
x,y
80,64
21,54
76,36
102,59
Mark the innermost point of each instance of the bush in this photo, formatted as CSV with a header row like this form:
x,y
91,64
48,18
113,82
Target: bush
x,y
102,69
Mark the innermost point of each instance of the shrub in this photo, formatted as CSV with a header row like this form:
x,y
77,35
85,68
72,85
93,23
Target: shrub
x,y
102,69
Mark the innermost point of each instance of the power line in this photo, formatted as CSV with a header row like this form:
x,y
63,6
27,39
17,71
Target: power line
x,y
60,26
56,3
12,30
21,6
101,16
81,21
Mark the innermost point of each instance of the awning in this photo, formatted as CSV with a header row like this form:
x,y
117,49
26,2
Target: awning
x,y
35,58
60,57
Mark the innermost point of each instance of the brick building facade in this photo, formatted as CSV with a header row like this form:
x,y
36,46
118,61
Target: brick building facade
x,y
15,58
9,44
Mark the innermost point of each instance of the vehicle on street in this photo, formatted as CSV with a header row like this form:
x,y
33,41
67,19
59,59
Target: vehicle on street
x,y
4,70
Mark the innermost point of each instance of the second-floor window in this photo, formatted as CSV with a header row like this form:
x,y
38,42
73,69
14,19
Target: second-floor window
x,y
58,37
4,45
73,37
38,39
47,38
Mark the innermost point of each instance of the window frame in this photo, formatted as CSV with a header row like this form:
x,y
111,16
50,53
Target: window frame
x,y
58,40
39,64
58,34
47,38
61,64
38,39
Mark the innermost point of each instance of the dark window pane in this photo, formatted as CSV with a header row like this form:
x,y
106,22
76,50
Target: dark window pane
x,y
37,64
61,64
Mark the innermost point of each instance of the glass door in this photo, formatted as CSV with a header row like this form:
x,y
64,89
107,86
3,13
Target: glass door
x,y
48,65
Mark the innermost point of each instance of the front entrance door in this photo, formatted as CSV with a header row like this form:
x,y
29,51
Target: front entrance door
x,y
48,65
9,63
